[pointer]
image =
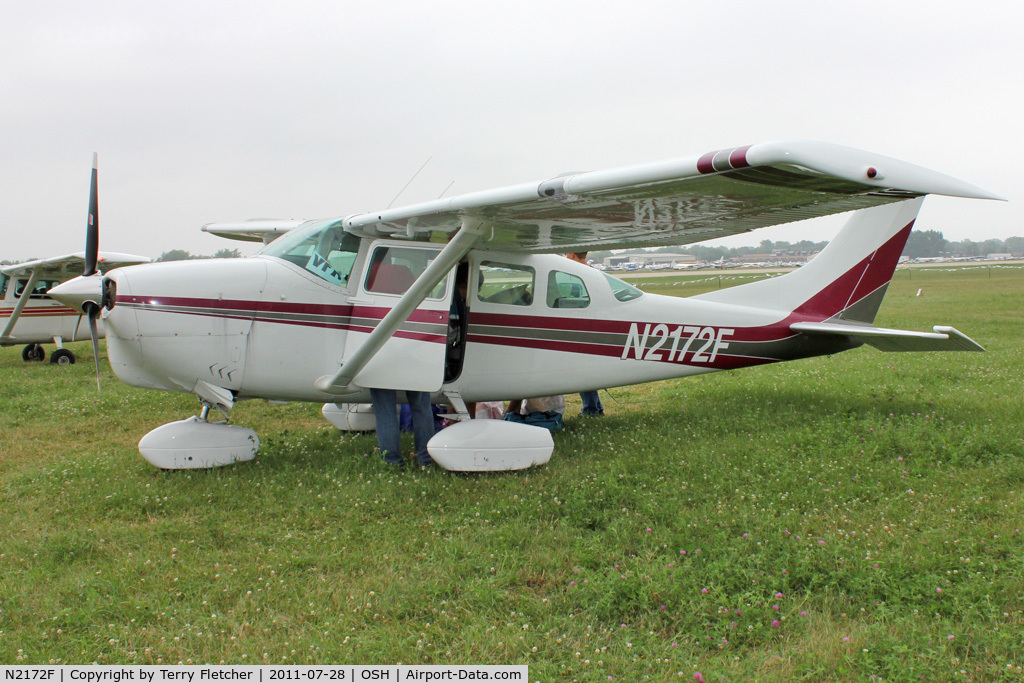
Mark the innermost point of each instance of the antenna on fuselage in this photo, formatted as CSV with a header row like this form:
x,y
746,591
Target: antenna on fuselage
x,y
410,182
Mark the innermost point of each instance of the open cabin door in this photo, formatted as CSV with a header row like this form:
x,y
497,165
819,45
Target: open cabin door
x,y
414,357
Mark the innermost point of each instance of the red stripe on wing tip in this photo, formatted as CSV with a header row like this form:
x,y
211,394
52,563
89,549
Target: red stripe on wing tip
x,y
733,158
738,157
705,164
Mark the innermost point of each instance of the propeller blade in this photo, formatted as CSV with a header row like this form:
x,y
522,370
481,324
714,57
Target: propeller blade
x,y
94,313
92,234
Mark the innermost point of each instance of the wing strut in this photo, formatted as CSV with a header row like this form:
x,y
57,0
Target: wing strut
x,y
464,240
26,294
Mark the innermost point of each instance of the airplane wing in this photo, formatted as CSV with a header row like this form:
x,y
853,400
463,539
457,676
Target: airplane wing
x,y
264,230
942,339
673,202
677,202
60,267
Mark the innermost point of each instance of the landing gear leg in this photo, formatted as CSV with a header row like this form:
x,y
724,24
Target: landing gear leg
x,y
461,409
61,356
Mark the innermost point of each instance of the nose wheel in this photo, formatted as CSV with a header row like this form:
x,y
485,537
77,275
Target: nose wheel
x,y
62,357
33,352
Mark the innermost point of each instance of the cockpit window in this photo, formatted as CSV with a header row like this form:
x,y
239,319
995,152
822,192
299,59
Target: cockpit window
x,y
621,290
393,270
323,249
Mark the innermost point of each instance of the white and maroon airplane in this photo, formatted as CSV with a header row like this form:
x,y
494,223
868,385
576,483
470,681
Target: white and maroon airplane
x,y
337,306
30,317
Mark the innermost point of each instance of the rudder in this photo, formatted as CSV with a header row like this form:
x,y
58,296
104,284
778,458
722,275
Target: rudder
x,y
847,280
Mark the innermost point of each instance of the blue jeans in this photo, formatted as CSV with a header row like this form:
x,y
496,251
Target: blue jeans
x,y
385,404
591,403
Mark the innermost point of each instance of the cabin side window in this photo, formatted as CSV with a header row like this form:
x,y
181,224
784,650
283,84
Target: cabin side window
x,y
4,279
566,290
505,283
393,270
38,291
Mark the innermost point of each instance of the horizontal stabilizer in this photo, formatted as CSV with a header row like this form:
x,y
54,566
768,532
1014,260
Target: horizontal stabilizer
x,y
942,339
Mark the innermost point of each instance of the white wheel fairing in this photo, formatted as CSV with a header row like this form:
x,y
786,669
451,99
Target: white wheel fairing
x,y
196,444
490,446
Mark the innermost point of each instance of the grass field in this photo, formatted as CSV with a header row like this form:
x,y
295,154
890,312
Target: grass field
x,y
839,518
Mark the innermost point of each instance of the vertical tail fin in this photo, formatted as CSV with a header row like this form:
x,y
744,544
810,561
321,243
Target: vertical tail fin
x,y
847,280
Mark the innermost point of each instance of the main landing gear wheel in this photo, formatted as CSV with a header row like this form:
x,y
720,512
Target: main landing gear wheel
x,y
62,357
33,352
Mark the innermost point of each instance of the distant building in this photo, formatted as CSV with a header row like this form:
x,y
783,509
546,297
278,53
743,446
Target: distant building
x,y
999,257
647,260
758,258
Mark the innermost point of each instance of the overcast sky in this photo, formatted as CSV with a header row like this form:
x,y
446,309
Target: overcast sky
x,y
221,111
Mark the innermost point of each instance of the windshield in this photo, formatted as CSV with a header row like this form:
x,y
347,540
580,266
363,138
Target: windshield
x,y
621,290
322,248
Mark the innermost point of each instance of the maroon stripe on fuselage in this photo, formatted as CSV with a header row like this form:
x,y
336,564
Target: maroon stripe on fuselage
x,y
761,333
262,311
723,361
549,322
255,307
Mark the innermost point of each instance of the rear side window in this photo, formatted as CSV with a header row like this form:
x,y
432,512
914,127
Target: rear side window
x,y
566,290
393,270
506,283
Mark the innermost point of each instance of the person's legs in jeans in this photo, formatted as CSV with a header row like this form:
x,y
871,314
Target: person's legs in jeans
x,y
422,423
384,402
591,403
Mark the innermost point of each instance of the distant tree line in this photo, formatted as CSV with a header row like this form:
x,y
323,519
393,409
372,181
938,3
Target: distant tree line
x,y
182,255
928,243
921,243
706,253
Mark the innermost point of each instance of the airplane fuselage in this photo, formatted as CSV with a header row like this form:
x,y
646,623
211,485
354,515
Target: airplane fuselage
x,y
456,297
265,327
